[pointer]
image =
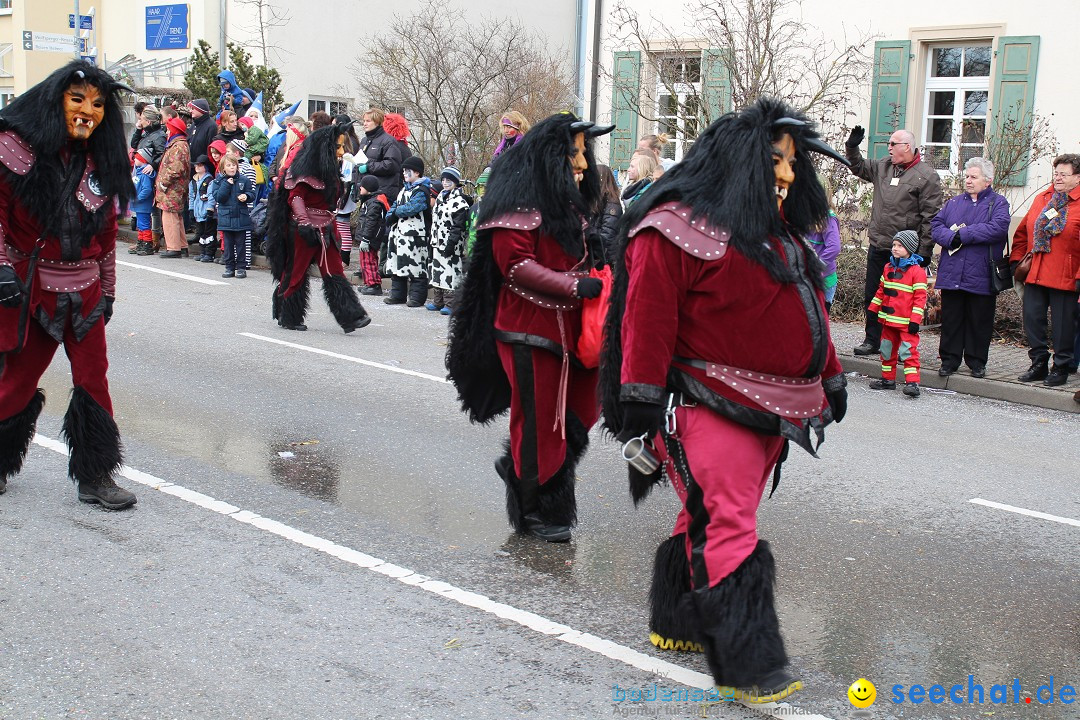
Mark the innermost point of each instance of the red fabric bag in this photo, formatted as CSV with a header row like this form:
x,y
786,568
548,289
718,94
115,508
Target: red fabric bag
x,y
593,314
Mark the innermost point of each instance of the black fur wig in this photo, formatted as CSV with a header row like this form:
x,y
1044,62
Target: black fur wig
x,y
316,158
535,173
727,178
37,116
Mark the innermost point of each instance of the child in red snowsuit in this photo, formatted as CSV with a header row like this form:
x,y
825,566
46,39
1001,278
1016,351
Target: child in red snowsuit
x,y
899,303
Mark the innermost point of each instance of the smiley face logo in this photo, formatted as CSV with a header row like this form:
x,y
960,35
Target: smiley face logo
x,y
862,693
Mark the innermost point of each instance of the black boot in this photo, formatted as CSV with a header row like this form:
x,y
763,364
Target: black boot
x,y
292,309
1037,371
94,444
418,288
399,286
344,304
15,435
671,618
523,504
738,625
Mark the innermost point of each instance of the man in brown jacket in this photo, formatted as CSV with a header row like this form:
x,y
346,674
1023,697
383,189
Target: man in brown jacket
x,y
907,196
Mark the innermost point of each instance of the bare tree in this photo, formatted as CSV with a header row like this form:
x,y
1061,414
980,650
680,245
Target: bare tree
x,y
453,76
267,17
740,49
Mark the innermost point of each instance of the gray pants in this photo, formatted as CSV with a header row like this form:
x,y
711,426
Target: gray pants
x,y
1061,304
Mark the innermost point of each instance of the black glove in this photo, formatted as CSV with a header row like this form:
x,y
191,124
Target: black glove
x,y
12,288
856,137
108,309
641,418
925,262
310,234
589,287
913,328
837,403
955,241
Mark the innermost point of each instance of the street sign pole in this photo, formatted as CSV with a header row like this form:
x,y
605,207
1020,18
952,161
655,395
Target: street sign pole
x,y
78,52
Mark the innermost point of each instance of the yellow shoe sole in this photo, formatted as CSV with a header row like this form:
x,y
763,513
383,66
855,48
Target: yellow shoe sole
x,y
664,643
754,696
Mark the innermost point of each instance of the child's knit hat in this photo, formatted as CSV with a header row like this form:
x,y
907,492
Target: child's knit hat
x,y
909,239
413,163
246,122
370,183
452,174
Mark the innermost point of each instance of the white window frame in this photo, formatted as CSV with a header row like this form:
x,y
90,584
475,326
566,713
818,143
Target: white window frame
x,y
960,86
679,144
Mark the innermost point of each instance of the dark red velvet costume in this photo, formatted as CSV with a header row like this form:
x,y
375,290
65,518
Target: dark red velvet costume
x,y
537,322
67,297
308,204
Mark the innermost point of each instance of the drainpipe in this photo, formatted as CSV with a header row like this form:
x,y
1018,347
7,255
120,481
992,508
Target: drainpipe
x,y
579,56
594,90
223,50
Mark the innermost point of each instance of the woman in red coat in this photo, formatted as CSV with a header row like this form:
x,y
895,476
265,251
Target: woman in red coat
x,y
1051,232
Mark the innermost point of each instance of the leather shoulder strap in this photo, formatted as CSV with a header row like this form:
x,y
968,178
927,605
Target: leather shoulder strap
x,y
694,237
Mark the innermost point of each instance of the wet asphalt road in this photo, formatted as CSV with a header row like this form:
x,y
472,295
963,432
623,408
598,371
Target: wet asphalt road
x,y
886,569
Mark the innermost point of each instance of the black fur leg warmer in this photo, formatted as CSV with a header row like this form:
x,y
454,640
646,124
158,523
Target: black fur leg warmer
x,y
738,624
671,612
504,466
294,307
16,433
558,503
93,439
275,303
343,301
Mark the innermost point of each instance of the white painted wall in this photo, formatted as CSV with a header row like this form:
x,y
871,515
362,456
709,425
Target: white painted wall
x,y
1055,86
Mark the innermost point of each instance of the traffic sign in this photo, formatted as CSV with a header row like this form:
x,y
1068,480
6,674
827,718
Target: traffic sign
x,y
86,22
48,42
166,27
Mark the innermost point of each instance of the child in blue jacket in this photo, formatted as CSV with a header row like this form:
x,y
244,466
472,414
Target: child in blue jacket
x,y
203,207
143,205
233,191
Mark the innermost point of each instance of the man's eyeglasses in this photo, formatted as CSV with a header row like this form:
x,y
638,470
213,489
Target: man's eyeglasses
x,y
894,144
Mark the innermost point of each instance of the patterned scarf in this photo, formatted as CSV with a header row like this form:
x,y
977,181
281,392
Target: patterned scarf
x,y
1045,228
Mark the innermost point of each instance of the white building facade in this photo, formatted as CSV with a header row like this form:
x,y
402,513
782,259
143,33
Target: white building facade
x,y
953,74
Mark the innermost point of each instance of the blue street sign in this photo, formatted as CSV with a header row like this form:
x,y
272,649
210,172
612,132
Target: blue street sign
x,y
166,27
86,22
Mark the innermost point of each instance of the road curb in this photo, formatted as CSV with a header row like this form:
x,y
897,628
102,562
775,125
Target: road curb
x,y
994,389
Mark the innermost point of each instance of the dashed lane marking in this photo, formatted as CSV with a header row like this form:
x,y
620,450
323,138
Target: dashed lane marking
x,y
532,621
350,358
170,273
1025,511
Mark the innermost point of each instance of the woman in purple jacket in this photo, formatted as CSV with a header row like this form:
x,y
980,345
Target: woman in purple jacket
x,y
972,229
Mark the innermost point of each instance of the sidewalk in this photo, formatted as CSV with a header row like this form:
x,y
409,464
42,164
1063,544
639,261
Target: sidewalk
x,y
1005,364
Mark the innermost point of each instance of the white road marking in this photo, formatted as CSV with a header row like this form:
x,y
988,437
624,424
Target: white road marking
x,y
350,358
170,273
1025,511
538,623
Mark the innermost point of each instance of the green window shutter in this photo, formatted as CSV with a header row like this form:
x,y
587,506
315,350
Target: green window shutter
x,y
1017,59
715,86
626,89
888,98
